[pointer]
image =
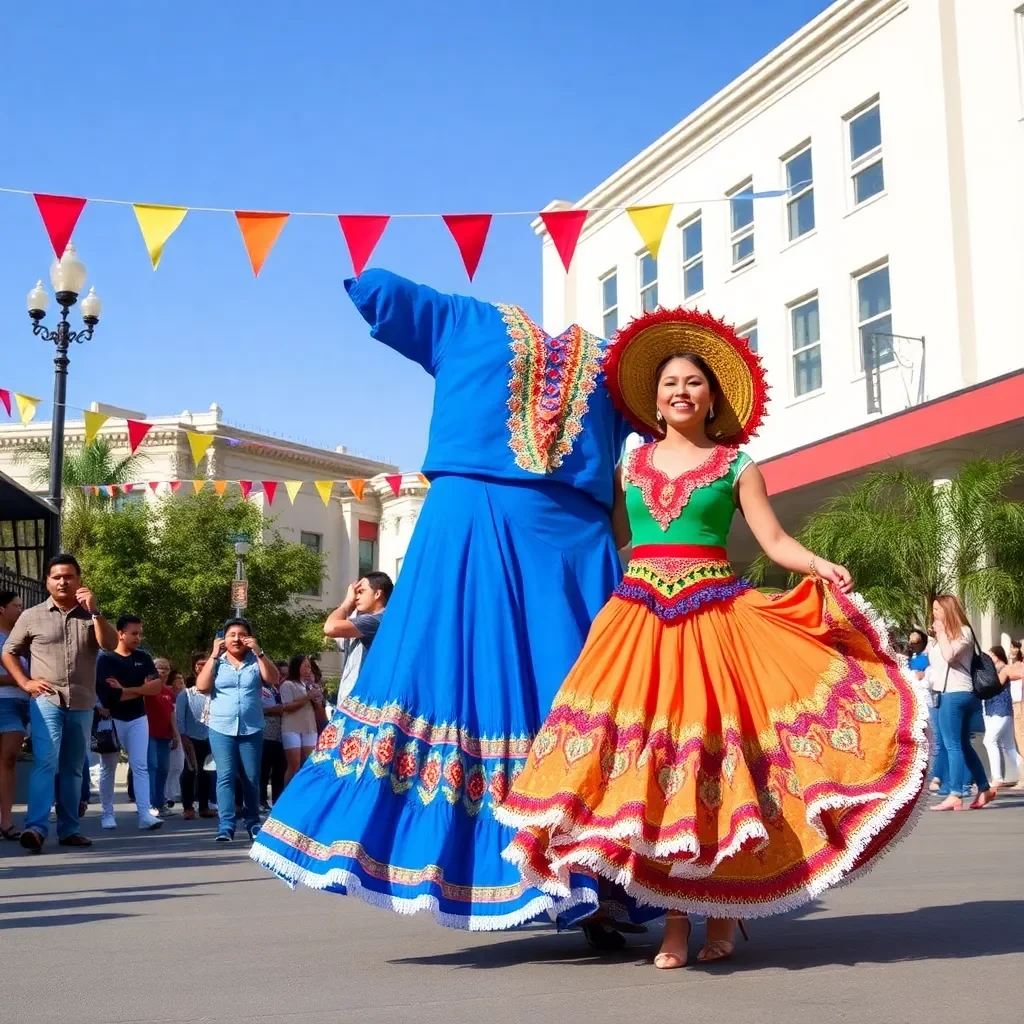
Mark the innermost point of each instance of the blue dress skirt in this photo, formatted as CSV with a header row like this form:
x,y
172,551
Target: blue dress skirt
x,y
498,589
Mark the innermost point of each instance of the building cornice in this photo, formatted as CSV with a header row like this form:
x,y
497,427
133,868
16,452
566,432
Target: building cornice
x,y
835,31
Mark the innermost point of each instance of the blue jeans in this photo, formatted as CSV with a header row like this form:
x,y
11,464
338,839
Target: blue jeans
x,y
955,715
159,764
237,755
939,767
60,739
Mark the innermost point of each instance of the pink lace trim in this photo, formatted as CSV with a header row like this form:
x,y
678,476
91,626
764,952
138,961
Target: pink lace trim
x,y
666,498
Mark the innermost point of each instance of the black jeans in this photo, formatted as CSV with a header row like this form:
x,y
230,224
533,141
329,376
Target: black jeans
x,y
198,782
272,767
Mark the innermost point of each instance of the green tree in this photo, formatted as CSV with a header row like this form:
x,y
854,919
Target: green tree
x,y
173,562
907,540
84,466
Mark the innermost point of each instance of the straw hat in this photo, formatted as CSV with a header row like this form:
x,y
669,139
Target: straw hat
x,y
639,348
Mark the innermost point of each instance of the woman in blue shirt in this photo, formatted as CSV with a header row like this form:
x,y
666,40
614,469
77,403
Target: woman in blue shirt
x,y
234,678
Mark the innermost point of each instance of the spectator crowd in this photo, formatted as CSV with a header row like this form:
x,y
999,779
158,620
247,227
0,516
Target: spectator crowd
x,y
223,740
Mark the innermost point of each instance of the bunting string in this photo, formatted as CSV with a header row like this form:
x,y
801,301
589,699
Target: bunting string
x,y
268,488
260,229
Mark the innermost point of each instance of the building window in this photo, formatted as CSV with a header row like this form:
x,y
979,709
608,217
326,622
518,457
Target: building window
x,y
866,172
874,316
648,283
368,534
741,220
800,205
750,334
398,566
806,330
312,542
609,304
693,257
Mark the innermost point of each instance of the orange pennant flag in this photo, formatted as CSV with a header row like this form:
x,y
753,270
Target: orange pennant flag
x,y
220,486
422,479
357,487
324,488
198,485
259,233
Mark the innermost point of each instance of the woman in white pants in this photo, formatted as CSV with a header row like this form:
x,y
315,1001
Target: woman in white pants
x,y
172,791
999,741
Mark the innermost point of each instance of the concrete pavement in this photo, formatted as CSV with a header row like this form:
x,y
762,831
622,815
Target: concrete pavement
x,y
169,927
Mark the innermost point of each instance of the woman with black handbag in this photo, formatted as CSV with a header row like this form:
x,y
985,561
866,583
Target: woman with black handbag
x,y
959,649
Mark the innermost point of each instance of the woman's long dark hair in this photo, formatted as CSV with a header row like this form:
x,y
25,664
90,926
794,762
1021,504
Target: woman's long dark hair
x,y
701,363
295,666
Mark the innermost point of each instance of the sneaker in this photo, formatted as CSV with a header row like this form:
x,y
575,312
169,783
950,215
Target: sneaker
x,y
108,821
149,824
254,831
224,837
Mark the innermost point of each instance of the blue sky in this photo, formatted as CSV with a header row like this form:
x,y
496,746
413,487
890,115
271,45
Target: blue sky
x,y
394,106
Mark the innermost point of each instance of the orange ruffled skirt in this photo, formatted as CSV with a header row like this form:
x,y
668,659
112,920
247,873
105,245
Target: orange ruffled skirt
x,y
735,762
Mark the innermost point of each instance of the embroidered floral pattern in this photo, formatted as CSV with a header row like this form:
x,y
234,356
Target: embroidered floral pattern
x,y
666,497
549,391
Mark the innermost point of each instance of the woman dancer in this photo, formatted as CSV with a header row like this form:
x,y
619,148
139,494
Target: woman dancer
x,y
714,749
512,557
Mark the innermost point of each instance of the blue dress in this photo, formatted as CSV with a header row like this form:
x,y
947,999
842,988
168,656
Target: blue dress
x,y
511,559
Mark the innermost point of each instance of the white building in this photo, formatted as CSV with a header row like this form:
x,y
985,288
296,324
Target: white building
x,y
354,536
899,122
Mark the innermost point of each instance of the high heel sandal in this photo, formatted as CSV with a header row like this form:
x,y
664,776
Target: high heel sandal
x,y
715,950
667,960
984,799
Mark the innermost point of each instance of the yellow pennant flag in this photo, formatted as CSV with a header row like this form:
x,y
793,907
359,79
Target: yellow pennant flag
x,y
324,488
292,487
198,485
650,223
357,487
93,422
26,406
157,224
220,486
199,443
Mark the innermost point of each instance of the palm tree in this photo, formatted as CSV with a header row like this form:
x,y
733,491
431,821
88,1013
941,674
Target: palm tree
x,y
907,539
89,465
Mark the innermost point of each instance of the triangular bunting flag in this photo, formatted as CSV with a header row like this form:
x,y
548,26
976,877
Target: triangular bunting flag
x,y
220,486
198,485
357,487
199,444
650,223
259,233
292,487
137,430
5,397
26,406
127,488
175,485
60,215
362,232
470,233
93,422
423,480
324,488
395,483
270,489
153,485
245,486
106,490
86,489
157,224
564,227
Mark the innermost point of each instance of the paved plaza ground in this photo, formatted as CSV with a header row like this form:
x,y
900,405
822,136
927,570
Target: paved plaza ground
x,y
170,927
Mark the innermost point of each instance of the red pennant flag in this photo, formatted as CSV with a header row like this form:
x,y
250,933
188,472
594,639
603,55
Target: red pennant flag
x,y
362,233
5,397
175,484
470,233
127,488
564,227
270,489
137,430
153,485
60,215
246,487
395,483
112,490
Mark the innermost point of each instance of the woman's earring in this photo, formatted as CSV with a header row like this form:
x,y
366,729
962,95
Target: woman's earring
x,y
658,416
711,411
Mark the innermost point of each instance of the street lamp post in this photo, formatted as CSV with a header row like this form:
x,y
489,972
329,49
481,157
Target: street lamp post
x,y
67,275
